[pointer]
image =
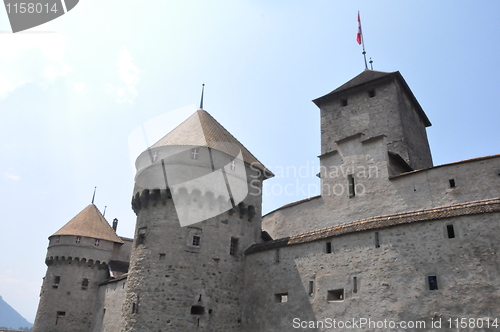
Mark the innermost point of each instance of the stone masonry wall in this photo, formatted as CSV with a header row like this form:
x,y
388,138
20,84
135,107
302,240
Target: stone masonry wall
x,y
379,279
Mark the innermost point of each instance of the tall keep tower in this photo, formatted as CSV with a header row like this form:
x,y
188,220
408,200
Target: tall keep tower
x,y
377,103
77,259
197,197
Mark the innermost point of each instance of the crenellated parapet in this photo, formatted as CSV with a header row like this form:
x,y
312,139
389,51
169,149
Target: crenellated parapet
x,y
192,200
75,261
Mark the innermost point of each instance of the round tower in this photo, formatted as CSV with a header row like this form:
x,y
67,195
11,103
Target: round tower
x,y
77,258
197,197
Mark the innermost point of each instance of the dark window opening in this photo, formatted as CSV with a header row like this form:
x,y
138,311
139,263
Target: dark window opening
x,y
335,295
277,256
85,283
57,280
433,284
371,93
350,180
196,241
134,308
354,284
96,242
234,246
161,256
281,297
377,240
311,287
78,239
197,310
344,102
452,183
60,314
328,247
141,236
451,231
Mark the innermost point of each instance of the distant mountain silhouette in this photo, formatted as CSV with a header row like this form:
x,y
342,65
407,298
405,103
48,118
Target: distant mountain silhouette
x,y
10,318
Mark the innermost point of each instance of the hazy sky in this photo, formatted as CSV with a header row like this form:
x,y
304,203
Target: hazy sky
x,y
73,90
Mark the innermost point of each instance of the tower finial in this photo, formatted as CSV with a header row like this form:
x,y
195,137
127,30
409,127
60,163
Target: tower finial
x,y
371,63
202,91
93,196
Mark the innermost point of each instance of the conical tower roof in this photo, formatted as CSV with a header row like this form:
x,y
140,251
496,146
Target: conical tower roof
x,y
201,129
90,223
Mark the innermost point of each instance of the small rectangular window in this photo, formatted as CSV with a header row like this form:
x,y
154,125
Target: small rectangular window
x,y
57,280
371,93
78,239
452,183
96,242
328,247
433,284
344,102
311,287
281,297
354,285
234,246
196,241
197,310
451,231
350,182
141,235
335,295
377,240
85,283
161,256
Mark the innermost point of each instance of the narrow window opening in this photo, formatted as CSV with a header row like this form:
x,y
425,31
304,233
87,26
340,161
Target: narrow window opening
x,y
196,241
57,280
377,240
59,315
78,239
194,153
141,236
351,185
311,287
281,297
96,242
85,283
234,246
335,295
371,93
451,231
197,310
134,308
354,285
277,256
58,238
161,256
452,183
433,284
344,102
328,247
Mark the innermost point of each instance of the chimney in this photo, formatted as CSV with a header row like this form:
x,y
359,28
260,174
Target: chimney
x,y
115,224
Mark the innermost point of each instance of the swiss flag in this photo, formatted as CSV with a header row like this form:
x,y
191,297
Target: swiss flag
x,y
358,36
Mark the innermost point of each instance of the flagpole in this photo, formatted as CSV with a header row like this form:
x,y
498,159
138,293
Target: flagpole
x,y
362,41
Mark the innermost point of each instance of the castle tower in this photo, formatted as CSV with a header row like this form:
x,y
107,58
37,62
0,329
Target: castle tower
x,y
197,197
77,259
377,103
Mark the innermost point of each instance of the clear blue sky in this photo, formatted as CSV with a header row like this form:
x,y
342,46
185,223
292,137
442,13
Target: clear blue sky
x,y
69,99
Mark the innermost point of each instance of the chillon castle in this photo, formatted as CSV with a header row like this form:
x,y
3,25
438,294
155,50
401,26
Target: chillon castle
x,y
406,241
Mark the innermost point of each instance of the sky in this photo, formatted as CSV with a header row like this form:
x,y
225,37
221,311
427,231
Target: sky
x,y
73,90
